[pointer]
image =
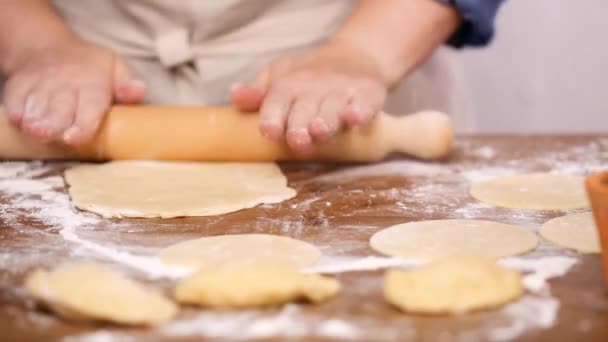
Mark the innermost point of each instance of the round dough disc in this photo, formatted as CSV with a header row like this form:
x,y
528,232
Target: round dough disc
x,y
174,189
221,249
537,191
575,231
454,284
427,240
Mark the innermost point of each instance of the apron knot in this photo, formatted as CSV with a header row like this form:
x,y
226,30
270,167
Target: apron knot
x,y
173,48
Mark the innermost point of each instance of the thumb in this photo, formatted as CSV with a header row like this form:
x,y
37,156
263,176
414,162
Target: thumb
x,y
249,97
126,88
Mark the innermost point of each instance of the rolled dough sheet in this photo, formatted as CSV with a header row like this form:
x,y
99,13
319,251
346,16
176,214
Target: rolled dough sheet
x,y
259,283
452,285
428,240
575,231
173,189
537,191
215,250
86,291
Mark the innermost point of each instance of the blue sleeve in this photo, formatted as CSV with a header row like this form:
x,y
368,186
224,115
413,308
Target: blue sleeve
x,y
477,27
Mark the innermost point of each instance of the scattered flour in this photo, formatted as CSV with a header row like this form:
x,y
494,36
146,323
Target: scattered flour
x,y
32,194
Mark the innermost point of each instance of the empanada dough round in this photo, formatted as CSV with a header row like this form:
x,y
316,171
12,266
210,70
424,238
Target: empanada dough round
x,y
537,191
85,291
252,284
173,189
214,250
454,284
575,231
427,240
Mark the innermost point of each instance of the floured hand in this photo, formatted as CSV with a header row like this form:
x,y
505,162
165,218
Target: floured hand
x,y
312,96
60,92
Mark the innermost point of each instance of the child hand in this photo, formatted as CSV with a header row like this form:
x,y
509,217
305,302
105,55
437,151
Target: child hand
x,y
60,93
311,97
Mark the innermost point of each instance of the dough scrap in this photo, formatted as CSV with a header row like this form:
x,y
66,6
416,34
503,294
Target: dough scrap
x,y
86,291
214,250
427,240
452,285
575,231
173,189
536,191
254,284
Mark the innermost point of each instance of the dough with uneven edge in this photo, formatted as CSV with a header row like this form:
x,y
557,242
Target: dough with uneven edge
x,y
214,250
452,285
575,231
536,191
174,189
86,291
254,284
427,240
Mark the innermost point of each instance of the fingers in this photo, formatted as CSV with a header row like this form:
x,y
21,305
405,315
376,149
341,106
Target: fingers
x,y
273,114
58,115
246,97
92,105
301,114
365,102
327,122
16,91
126,88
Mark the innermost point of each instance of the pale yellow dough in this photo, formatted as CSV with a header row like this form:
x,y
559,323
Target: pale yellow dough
x,y
427,240
537,191
174,189
575,231
214,250
85,291
254,284
454,284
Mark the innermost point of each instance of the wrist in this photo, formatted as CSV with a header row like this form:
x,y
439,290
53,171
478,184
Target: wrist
x,y
359,56
14,52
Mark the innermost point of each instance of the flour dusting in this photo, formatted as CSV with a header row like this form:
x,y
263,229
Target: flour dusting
x,y
35,192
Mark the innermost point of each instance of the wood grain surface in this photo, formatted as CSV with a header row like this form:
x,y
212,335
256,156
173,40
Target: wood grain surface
x,y
337,208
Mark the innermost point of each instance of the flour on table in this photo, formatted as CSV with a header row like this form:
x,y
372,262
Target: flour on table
x,y
34,192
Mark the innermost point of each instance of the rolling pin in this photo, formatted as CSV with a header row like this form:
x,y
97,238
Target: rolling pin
x,y
225,134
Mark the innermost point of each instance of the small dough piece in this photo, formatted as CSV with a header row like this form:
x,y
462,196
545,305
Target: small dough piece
x,y
214,250
427,240
254,284
86,291
536,191
174,189
575,231
452,285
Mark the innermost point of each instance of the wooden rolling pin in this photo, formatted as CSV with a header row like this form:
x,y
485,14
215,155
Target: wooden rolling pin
x,y
225,134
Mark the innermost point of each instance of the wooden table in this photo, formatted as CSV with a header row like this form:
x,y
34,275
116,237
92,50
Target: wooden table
x,y
337,208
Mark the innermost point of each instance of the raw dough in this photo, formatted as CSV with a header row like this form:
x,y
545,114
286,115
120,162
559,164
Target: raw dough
x,y
173,189
85,291
575,231
426,240
537,191
259,283
214,250
454,284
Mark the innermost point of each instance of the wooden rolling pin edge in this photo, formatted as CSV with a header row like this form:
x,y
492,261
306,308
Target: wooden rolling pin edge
x,y
597,190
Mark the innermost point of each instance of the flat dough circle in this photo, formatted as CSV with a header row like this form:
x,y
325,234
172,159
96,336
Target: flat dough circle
x,y
261,283
427,240
214,250
454,284
537,191
575,231
86,291
174,189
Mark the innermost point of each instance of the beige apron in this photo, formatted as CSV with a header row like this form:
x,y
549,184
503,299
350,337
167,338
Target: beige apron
x,y
189,52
